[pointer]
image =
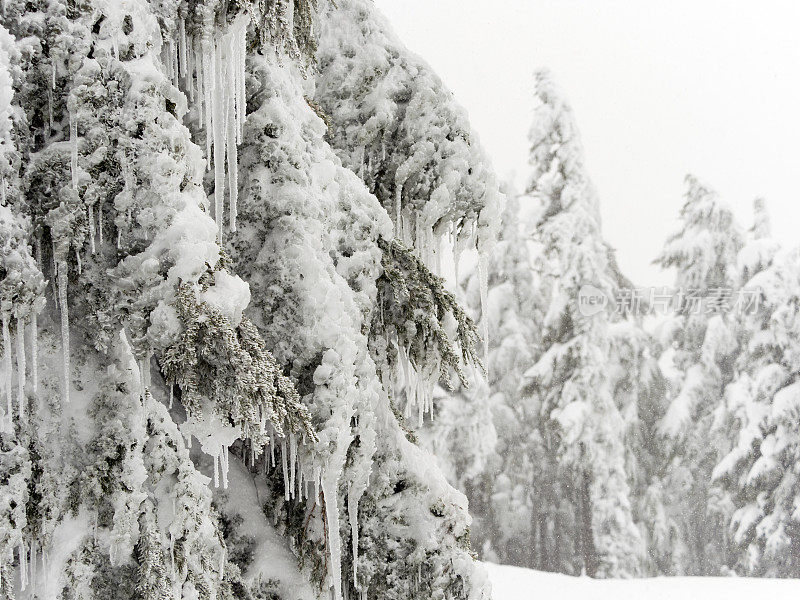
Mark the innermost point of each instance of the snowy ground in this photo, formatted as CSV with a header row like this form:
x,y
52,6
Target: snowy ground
x,y
513,583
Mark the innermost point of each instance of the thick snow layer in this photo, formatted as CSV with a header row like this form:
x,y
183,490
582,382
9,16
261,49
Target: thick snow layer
x,y
514,583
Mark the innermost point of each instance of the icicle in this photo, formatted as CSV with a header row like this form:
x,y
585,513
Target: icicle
x,y
171,61
241,92
54,267
272,450
171,394
219,132
62,299
456,253
73,137
420,401
199,86
233,170
330,492
216,471
92,231
32,564
148,359
397,216
300,483
292,457
21,368
23,565
223,463
353,496
209,80
50,113
8,368
100,221
119,239
78,261
166,59
34,352
174,59
286,490
190,69
182,62
483,277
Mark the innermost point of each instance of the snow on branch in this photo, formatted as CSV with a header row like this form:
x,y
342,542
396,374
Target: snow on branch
x,y
415,305
231,366
398,127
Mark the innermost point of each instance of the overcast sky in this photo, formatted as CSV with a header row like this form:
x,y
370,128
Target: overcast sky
x,y
659,89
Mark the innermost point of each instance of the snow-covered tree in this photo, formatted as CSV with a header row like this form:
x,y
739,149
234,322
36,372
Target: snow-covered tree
x,y
132,132
761,411
703,342
581,427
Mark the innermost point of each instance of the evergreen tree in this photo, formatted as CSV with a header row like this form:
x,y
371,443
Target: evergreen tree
x,y
760,411
581,427
703,348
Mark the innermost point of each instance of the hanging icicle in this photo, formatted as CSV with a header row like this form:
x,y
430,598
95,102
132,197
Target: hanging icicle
x,y
182,59
34,352
23,565
73,138
92,231
215,460
353,497
330,493
233,171
218,135
7,367
292,459
100,222
223,460
21,368
285,466
61,276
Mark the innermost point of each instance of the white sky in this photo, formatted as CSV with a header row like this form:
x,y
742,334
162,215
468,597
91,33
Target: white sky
x,y
659,89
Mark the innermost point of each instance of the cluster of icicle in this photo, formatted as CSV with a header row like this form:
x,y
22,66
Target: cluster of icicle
x,y
29,557
299,483
417,384
21,299
212,69
428,245
6,424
